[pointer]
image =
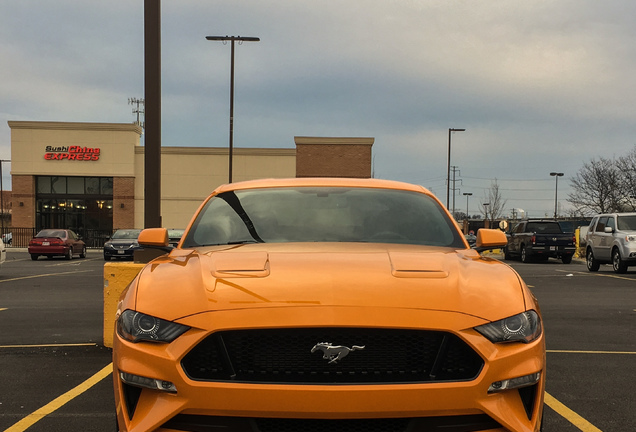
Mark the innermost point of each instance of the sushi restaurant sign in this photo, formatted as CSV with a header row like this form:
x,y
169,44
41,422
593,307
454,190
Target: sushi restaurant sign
x,y
76,153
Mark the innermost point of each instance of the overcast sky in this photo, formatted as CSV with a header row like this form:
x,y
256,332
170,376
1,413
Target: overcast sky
x,y
539,86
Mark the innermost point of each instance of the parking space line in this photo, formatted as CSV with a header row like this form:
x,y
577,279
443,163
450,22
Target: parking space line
x,y
60,401
569,415
597,274
48,345
589,352
45,275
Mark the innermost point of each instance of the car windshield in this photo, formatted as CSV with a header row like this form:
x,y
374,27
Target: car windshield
x,y
323,214
544,228
131,234
627,223
51,233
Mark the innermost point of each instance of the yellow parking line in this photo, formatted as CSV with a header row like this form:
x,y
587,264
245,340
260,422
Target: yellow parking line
x,y
48,345
589,352
44,275
60,401
569,415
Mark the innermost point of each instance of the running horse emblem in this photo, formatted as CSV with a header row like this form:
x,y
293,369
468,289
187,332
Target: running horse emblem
x,y
334,353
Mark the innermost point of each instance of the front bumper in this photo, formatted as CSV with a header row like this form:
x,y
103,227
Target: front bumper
x,y
119,253
551,251
218,402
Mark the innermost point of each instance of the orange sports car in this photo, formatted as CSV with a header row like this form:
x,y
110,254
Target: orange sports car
x,y
327,304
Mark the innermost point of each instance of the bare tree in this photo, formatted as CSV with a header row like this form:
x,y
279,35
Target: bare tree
x,y
596,187
626,166
493,204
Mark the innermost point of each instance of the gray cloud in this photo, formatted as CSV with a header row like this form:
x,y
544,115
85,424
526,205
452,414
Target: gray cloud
x,y
539,86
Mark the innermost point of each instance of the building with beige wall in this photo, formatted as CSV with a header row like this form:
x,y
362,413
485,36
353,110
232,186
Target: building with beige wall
x,y
90,176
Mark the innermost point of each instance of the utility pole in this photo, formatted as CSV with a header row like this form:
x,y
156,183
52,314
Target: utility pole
x,y
138,108
450,131
152,104
454,168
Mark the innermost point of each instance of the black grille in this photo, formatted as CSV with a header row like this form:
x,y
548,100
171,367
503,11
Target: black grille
x,y
466,423
285,356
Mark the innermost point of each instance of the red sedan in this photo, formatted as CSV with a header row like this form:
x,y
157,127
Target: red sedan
x,y
56,242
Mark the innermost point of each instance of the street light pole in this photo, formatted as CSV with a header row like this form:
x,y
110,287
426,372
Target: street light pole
x,y
467,194
556,190
232,39
486,213
450,131
2,196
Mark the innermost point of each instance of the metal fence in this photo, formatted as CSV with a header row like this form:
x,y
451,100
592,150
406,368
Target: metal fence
x,y
20,237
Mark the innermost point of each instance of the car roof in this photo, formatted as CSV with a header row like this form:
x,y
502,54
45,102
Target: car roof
x,y
616,214
321,182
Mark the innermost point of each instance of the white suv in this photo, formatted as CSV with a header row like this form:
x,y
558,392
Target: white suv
x,y
611,238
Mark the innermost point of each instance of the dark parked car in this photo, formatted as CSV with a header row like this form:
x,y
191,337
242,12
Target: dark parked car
x,y
174,236
56,242
122,244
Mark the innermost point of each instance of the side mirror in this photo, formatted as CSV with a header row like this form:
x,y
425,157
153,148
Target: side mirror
x,y
490,239
154,238
608,230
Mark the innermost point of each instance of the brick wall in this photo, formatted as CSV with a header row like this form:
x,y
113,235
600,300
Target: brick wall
x,y
333,157
23,215
123,202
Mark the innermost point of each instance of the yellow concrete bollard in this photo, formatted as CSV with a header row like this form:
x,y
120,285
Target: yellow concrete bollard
x,y
117,276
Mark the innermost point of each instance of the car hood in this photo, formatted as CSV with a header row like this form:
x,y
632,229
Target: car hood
x,y
187,282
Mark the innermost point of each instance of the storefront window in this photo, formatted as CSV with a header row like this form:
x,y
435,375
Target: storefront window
x,y
83,204
106,185
58,185
92,185
75,185
44,185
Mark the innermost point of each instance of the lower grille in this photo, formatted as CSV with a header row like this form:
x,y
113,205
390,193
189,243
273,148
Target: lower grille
x,y
468,423
374,356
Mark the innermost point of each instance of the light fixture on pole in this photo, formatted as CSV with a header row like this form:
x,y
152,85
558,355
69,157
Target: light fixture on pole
x,y
233,39
450,131
556,190
467,194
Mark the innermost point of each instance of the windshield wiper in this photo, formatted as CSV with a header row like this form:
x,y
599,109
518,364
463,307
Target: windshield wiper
x,y
233,201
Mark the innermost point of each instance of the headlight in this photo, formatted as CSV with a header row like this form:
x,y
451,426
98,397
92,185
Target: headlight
x,y
630,238
108,245
136,327
524,327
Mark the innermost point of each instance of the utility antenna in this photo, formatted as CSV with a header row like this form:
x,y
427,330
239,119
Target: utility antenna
x,y
138,108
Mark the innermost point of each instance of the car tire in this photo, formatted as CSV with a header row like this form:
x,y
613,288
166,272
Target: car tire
x,y
34,257
106,258
525,257
617,262
83,252
69,254
507,255
567,259
591,262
